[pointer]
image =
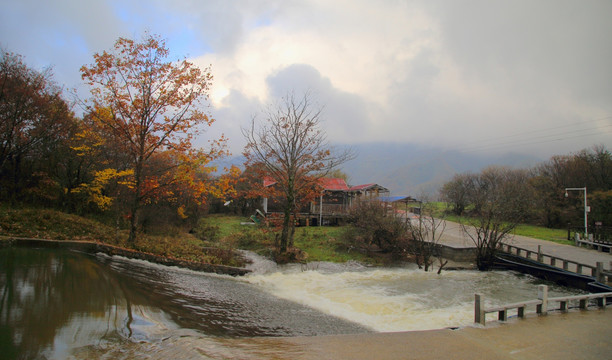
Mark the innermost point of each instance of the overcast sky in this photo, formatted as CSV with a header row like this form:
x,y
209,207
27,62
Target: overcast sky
x,y
480,76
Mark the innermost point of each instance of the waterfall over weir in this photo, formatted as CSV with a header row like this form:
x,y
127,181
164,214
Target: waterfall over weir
x,y
392,298
57,304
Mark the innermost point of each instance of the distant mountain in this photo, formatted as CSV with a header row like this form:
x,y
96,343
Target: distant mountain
x,y
407,169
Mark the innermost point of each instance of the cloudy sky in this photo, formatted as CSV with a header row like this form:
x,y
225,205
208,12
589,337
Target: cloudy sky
x,y
529,76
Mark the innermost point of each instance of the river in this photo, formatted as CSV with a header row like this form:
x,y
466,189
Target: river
x,y
62,304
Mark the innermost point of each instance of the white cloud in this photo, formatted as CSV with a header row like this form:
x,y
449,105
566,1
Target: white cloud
x,y
444,72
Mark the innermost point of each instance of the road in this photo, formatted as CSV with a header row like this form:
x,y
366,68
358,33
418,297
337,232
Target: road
x,y
454,236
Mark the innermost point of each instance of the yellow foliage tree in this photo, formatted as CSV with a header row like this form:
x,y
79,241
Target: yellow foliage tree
x,y
150,107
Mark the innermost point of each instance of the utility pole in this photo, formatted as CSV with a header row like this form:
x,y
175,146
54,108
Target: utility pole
x,y
586,208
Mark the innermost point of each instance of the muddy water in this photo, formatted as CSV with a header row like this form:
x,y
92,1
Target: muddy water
x,y
60,304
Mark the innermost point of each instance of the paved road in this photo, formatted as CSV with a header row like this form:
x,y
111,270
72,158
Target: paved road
x,y
455,237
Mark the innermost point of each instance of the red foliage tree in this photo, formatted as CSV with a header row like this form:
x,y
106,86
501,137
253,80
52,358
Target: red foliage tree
x,y
33,120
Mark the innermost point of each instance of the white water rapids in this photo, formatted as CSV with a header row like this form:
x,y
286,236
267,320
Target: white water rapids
x,y
392,299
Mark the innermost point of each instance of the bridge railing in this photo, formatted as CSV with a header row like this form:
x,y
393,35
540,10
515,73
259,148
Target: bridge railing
x,y
568,265
562,303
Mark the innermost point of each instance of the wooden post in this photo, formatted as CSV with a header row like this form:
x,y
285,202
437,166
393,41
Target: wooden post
x,y
565,263
502,315
583,303
577,239
599,276
521,311
479,313
553,261
579,269
543,295
540,253
321,210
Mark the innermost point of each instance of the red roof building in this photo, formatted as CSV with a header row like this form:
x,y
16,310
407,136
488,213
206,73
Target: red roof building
x,y
329,184
333,184
335,201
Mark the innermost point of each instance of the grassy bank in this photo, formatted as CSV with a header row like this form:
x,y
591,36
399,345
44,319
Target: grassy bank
x,y
55,225
318,243
213,241
537,232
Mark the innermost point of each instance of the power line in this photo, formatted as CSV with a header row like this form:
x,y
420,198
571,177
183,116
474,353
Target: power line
x,y
554,135
535,141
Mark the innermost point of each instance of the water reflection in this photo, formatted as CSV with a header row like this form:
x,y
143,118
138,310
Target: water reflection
x,y
57,302
53,298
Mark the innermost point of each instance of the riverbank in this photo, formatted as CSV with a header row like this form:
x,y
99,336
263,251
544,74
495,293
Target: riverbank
x,y
92,247
171,243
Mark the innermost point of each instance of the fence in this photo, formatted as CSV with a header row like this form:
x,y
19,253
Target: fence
x,y
541,304
598,233
598,271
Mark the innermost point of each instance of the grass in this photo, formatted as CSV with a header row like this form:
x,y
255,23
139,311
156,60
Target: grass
x,y
227,224
325,244
51,224
56,225
538,232
319,243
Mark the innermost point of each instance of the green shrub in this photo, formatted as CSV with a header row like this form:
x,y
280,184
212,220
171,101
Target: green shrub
x,y
254,237
371,225
207,232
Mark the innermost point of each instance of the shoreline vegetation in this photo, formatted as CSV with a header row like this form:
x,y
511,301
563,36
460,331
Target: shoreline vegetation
x,y
210,246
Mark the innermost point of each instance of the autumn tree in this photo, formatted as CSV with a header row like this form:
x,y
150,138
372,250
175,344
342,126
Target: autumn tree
x,y
249,189
293,150
151,107
34,121
590,168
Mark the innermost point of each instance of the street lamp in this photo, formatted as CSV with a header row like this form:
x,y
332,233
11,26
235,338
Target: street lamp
x,y
586,207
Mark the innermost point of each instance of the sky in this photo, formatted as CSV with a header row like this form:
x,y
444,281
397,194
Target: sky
x,y
475,76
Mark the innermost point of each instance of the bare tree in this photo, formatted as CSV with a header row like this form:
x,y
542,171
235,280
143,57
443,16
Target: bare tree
x,y
425,237
294,152
502,198
458,191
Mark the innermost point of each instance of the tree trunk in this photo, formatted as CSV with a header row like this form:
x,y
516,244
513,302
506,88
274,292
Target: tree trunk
x,y
135,209
133,225
285,232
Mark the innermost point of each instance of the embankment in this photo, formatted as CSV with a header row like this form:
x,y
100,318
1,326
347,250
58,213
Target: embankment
x,y
92,247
